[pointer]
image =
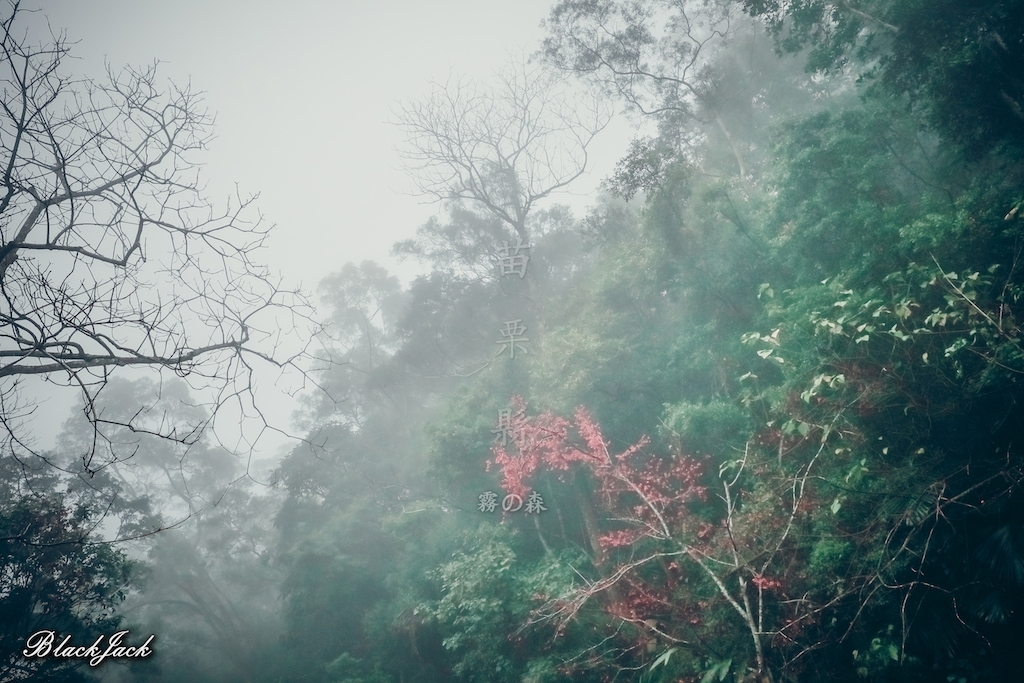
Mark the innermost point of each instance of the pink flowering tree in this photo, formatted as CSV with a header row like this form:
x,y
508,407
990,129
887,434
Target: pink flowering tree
x,y
677,553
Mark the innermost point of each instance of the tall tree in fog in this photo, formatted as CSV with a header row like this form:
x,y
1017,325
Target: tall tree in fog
x,y
207,583
492,154
659,57
360,334
500,148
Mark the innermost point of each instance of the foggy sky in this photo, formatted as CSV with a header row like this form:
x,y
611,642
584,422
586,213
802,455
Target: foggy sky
x,y
303,95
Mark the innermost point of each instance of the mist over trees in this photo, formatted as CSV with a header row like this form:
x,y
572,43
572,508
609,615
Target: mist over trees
x,y
754,416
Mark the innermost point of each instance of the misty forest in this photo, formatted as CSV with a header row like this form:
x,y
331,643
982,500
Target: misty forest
x,y
755,415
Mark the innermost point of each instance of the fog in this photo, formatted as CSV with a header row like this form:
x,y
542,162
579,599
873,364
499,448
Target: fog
x,y
594,341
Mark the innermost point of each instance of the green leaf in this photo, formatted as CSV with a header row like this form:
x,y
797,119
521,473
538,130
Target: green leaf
x,y
720,669
902,336
663,658
956,346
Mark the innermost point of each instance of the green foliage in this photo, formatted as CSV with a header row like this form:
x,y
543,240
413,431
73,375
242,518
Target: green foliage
x,y
714,428
916,376
882,654
819,298
348,669
54,574
828,554
847,183
333,580
486,595
608,346
717,671
958,62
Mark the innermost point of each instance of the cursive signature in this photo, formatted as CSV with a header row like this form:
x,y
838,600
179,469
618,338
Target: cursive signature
x,y
41,645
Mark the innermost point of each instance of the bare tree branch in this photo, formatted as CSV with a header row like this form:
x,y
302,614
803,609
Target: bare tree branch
x,y
503,148
110,255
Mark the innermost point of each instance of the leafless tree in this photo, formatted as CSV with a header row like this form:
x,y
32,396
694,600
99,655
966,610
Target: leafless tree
x,y
110,255
502,148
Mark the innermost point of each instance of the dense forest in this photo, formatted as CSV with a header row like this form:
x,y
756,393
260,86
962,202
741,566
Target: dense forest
x,y
756,416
